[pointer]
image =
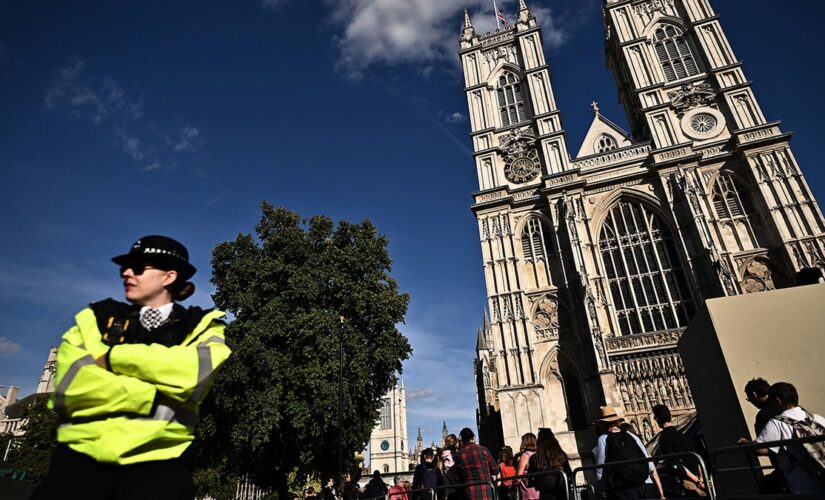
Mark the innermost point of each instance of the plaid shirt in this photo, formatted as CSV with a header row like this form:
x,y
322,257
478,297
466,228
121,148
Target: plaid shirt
x,y
474,464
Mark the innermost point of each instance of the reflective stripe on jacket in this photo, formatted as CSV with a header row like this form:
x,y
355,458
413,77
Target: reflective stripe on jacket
x,y
146,407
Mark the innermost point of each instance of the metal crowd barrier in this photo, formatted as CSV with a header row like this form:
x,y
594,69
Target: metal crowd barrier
x,y
743,448
516,479
460,486
711,491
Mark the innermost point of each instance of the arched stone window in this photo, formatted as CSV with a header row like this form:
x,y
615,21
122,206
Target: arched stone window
x,y
386,414
674,53
535,244
605,143
729,200
648,286
386,469
510,100
740,228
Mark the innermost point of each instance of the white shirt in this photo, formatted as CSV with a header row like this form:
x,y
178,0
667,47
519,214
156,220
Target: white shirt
x,y
165,311
799,480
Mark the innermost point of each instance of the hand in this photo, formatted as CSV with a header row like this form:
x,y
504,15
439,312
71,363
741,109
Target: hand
x,y
743,441
101,361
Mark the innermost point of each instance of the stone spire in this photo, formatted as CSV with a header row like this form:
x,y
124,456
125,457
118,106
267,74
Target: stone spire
x,y
444,432
467,31
524,14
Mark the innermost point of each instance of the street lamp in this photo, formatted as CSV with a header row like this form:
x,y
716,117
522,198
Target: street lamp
x,y
341,404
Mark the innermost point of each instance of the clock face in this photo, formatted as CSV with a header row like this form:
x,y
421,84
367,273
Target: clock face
x,y
385,445
521,169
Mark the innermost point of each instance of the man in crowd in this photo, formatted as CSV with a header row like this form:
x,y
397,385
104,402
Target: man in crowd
x,y
756,393
475,464
672,441
624,482
803,465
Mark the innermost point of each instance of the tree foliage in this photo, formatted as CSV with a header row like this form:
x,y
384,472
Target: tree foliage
x,y
32,451
273,411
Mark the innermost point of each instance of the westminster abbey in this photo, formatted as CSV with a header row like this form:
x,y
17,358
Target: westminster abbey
x,y
595,262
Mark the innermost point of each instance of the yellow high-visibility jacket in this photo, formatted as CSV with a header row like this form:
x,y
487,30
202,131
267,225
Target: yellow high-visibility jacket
x,y
146,407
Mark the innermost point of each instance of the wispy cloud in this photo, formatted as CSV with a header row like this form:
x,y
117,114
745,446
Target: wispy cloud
x,y
76,90
419,32
188,140
440,383
456,117
8,347
100,99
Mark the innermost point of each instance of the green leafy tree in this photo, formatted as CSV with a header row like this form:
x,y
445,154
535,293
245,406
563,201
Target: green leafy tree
x,y
32,451
295,291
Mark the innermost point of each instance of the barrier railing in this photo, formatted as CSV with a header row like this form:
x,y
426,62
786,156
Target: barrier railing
x,y
754,445
459,486
726,450
517,479
711,491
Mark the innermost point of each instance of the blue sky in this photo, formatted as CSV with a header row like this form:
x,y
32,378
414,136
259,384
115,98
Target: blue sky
x,y
119,119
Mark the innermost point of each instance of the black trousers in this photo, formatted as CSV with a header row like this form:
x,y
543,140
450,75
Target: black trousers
x,y
75,476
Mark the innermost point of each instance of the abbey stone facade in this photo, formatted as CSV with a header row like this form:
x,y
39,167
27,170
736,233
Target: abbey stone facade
x,y
595,263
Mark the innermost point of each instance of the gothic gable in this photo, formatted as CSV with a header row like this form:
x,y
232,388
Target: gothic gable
x,y
603,136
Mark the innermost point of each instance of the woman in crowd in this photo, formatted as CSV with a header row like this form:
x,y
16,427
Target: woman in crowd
x,y
448,474
528,448
506,469
549,457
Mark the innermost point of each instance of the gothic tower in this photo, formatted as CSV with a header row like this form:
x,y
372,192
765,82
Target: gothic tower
x,y
388,443
594,264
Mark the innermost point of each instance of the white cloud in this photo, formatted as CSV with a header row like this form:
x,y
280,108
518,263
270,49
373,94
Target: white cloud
x,y
419,32
457,117
100,99
188,140
84,95
8,347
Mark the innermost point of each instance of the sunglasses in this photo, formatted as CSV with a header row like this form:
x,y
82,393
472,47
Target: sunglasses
x,y
137,268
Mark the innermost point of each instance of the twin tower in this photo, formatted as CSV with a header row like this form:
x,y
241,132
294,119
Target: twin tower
x,y
595,263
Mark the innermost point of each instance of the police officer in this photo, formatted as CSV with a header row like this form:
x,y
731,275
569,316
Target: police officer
x,y
130,378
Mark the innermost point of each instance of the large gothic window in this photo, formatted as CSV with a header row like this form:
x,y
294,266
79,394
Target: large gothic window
x,y
534,242
674,53
741,228
647,283
386,414
510,100
730,200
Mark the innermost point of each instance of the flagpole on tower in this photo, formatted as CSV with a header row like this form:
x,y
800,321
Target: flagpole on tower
x,y
496,14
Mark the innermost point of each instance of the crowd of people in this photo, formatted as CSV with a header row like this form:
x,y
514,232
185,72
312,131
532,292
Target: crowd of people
x,y
541,470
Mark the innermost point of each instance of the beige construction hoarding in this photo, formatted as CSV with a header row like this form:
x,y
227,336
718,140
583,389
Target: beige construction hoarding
x,y
777,335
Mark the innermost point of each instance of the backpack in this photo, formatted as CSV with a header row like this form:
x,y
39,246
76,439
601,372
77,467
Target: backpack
x,y
813,460
430,478
621,446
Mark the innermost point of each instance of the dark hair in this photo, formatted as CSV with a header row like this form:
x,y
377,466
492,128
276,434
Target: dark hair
x,y
181,290
528,442
427,453
466,435
376,474
785,392
549,455
505,456
758,386
662,414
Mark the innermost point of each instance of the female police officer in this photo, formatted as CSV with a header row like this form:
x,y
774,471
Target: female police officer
x,y
129,381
